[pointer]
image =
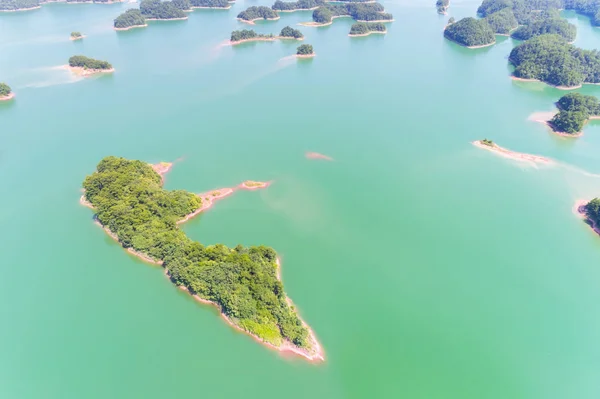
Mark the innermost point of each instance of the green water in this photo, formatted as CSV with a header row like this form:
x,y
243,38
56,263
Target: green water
x,y
427,267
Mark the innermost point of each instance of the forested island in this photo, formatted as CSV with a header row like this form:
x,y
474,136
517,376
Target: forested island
x,y
163,10
85,66
255,13
360,12
367,28
224,4
442,6
502,22
471,33
76,36
243,282
305,51
290,33
574,111
300,5
130,19
248,35
6,92
551,59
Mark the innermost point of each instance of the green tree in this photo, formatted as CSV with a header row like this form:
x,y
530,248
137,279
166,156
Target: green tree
x,y
131,17
305,49
5,90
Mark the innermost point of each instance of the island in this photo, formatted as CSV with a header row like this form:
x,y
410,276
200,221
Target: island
x,y
216,4
85,66
551,59
305,51
360,12
300,5
248,35
471,33
553,25
590,211
76,36
589,8
525,11
290,33
244,283
495,148
157,10
6,92
253,185
18,5
367,28
442,6
502,22
574,111
255,13
130,19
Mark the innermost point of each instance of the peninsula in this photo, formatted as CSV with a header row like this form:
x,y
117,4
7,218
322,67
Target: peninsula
x,y
255,13
305,51
491,146
367,28
157,10
85,66
243,282
360,12
130,19
470,32
76,36
6,92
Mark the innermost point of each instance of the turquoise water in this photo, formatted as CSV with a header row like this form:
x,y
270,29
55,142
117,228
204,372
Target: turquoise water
x,y
427,267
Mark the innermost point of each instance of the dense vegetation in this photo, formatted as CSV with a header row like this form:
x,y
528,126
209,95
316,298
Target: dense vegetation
x,y
487,142
11,5
546,26
551,59
260,12
305,49
210,3
525,11
296,5
288,31
574,111
76,35
470,32
88,63
247,34
358,11
362,28
156,9
5,90
131,17
591,8
183,5
442,6
130,202
502,22
592,211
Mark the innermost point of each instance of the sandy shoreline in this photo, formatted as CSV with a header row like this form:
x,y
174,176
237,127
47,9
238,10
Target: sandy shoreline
x,y
81,71
131,27
512,154
263,39
551,85
470,47
77,38
316,155
313,55
546,117
254,185
251,22
22,9
372,32
10,96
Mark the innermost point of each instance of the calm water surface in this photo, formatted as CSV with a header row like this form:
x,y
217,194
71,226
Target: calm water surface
x,y
428,268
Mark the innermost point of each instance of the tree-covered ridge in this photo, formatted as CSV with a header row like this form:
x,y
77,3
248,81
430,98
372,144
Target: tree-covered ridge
x,y
442,6
557,26
210,3
82,61
296,5
12,5
305,49
157,9
260,12
551,59
592,211
364,28
130,18
502,22
525,11
5,90
130,202
574,111
247,34
358,11
470,32
290,32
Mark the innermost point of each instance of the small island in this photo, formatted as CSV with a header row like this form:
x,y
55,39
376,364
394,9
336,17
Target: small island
x,y
442,6
495,148
6,92
130,19
300,5
76,36
551,59
85,66
305,51
157,10
253,185
367,28
255,13
574,111
471,33
249,35
590,211
215,4
244,283
360,12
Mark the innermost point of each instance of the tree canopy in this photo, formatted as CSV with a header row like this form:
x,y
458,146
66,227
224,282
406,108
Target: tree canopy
x,y
305,49
156,9
131,17
546,26
296,5
574,111
210,3
260,12
130,202
470,32
502,22
88,63
5,90
551,59
362,28
288,31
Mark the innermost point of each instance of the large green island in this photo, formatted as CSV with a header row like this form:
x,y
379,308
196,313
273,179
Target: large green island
x,y
471,33
243,282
